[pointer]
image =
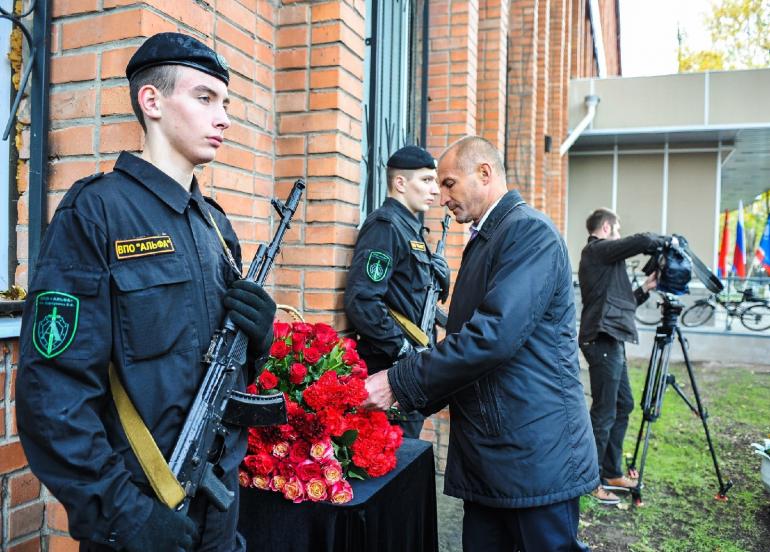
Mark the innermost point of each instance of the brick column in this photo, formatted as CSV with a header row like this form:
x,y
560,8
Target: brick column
x,y
452,85
542,99
522,100
319,91
555,178
577,38
492,73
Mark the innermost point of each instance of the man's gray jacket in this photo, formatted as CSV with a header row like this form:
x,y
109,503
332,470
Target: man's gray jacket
x,y
520,432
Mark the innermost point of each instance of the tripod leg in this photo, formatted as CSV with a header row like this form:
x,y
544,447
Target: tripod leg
x,y
652,402
703,415
649,384
672,382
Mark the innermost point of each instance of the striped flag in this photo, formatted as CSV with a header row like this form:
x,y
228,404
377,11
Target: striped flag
x,y
724,244
763,249
739,253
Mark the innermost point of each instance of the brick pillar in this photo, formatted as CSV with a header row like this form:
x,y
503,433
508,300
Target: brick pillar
x,y
240,179
452,72
492,74
542,98
522,100
319,90
452,84
577,38
555,181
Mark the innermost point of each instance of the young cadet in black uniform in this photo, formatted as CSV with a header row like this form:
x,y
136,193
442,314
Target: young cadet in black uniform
x,y
392,267
136,270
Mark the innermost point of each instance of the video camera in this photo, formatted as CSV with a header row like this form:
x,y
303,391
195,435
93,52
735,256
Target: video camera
x,y
675,262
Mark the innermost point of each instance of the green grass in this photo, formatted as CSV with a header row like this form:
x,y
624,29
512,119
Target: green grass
x,y
679,512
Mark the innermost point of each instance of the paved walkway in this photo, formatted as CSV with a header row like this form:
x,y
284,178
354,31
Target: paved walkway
x,y
450,519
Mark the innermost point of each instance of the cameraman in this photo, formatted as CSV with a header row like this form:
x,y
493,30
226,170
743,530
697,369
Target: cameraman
x,y
606,322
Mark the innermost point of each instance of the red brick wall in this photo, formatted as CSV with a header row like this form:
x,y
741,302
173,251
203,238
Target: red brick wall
x,y
522,96
30,519
499,68
319,69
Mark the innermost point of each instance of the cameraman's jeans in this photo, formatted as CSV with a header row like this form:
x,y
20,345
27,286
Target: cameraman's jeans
x,y
612,400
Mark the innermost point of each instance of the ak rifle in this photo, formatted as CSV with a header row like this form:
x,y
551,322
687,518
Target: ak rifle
x,y
218,403
429,311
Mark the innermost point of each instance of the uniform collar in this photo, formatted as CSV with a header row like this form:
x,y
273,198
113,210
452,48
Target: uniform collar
x,y
159,183
510,200
404,213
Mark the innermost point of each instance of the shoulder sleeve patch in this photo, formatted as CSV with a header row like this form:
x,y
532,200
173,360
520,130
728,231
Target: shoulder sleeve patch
x,y
56,322
377,265
77,187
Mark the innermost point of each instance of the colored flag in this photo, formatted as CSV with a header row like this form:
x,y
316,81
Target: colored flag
x,y
724,244
763,249
739,253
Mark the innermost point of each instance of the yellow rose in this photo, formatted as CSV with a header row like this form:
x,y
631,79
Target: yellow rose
x,y
260,482
316,489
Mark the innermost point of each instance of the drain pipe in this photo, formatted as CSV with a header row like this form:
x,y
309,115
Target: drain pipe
x,y
598,34
591,102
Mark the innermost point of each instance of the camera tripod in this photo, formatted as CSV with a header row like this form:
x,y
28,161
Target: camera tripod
x,y
658,378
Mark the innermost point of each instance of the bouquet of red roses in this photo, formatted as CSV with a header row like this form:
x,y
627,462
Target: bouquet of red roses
x,y
328,438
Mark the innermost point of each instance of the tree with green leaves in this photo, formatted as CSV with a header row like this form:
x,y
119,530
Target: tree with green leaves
x,y
740,38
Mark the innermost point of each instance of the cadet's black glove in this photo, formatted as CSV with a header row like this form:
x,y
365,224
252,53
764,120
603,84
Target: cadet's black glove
x,y
165,529
252,310
441,272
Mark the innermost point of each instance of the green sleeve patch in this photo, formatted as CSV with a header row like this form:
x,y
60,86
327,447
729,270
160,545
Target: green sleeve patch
x,y
377,265
56,321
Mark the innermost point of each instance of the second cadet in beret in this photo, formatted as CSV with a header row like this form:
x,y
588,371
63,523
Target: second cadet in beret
x,y
178,49
411,158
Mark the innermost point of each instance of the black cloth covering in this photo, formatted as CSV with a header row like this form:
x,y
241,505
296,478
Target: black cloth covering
x,y
395,512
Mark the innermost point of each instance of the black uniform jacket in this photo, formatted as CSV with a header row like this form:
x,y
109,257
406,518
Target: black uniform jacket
x,y
131,271
608,300
520,434
390,268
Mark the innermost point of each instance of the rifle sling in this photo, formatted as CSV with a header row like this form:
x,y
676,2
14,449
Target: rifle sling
x,y
162,480
411,329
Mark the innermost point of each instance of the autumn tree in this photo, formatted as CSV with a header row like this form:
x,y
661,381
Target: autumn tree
x,y
740,38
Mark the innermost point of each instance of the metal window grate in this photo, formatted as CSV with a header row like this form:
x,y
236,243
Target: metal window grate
x,y
37,69
391,90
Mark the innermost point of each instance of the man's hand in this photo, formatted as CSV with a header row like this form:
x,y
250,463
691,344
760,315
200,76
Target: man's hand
x,y
251,309
441,272
651,282
380,395
165,529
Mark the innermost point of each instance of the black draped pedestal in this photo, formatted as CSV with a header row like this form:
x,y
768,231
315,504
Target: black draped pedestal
x,y
393,513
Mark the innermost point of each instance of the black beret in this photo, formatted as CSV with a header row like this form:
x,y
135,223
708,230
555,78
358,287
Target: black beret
x,y
412,157
178,49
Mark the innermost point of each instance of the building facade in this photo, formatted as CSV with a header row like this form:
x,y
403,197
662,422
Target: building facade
x,y
323,90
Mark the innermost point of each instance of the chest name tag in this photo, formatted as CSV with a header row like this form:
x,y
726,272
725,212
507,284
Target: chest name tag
x,y
417,245
141,247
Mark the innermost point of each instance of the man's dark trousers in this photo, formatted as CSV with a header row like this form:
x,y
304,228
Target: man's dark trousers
x,y
549,528
612,400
